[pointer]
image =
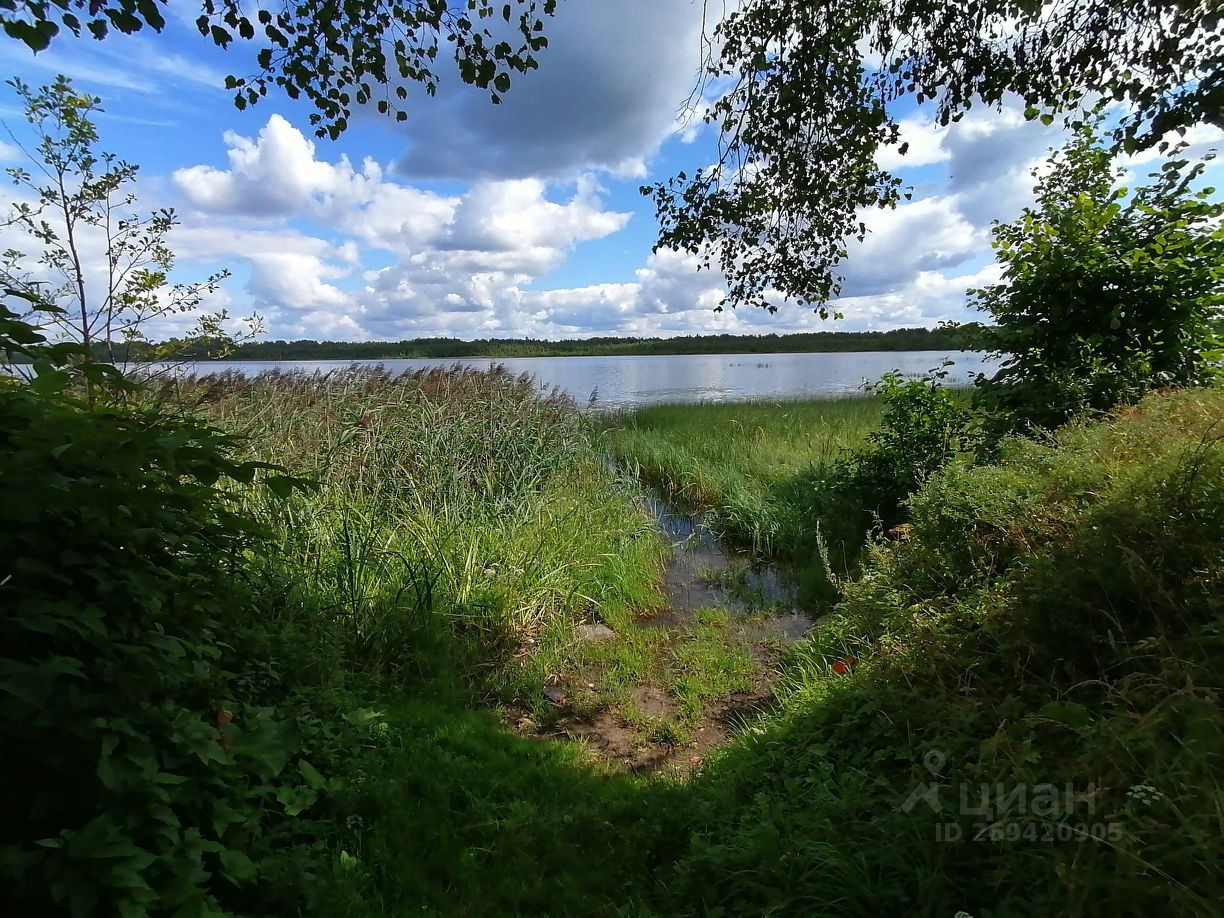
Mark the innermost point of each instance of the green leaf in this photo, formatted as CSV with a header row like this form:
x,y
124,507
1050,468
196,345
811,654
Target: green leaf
x,y
35,36
296,800
1073,715
151,12
237,866
280,485
312,776
49,380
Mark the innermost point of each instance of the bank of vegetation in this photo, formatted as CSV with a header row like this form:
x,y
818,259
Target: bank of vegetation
x,y
1014,709
285,644
946,339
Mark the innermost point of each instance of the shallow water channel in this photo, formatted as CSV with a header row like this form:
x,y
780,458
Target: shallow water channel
x,y
702,573
646,726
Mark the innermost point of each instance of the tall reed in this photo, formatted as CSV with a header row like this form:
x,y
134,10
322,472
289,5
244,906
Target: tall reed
x,y
456,508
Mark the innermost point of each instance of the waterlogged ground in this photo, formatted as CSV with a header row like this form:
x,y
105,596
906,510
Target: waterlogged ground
x,y
667,688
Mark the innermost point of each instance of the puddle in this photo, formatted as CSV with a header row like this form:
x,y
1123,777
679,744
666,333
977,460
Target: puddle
x,y
699,569
785,628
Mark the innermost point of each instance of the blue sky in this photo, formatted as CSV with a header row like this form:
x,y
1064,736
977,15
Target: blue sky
x,y
523,219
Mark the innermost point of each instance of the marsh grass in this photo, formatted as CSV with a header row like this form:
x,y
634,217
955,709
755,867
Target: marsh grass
x,y
1053,618
458,512
462,525
757,471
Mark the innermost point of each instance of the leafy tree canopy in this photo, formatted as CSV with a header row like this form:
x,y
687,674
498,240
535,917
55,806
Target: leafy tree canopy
x,y
336,53
1107,291
76,206
804,97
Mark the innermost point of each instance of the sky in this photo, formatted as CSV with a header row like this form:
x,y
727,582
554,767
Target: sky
x,y
520,220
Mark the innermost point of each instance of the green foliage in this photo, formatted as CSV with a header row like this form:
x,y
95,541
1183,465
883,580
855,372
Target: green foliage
x,y
923,426
802,119
753,468
212,696
133,780
758,472
462,525
458,515
76,206
1107,292
1052,620
338,55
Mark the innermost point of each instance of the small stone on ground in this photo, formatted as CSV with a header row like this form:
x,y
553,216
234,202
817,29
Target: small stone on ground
x,y
595,633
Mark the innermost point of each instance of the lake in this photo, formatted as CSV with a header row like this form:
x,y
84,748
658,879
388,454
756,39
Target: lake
x,y
626,382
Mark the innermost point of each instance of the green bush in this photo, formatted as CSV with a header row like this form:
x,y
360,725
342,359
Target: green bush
x,y
1107,292
133,780
924,425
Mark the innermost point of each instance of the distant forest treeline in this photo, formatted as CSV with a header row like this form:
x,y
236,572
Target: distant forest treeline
x,y
966,337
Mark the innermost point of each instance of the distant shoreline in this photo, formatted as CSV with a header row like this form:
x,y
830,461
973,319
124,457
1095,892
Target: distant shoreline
x,y
970,337
346,360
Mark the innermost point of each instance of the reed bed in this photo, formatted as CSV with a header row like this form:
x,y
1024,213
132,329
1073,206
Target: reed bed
x,y
451,504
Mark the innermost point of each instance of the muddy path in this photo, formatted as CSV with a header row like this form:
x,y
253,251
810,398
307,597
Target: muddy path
x,y
667,691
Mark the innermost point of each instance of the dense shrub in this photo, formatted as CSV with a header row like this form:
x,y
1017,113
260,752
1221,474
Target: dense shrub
x,y
1107,292
923,426
132,780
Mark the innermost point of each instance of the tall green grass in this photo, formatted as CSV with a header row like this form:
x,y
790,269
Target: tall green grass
x,y
754,467
458,513
758,472
462,524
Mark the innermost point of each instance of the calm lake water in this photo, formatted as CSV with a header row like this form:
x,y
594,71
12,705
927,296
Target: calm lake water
x,y
623,382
